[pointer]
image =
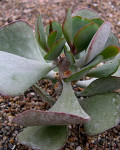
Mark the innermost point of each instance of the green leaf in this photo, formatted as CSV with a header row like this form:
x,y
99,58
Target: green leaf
x,y
77,23
51,38
40,35
104,111
101,86
55,27
86,13
44,137
118,71
98,21
84,36
65,111
18,38
112,40
85,70
97,43
55,50
17,73
69,56
105,70
110,52
67,28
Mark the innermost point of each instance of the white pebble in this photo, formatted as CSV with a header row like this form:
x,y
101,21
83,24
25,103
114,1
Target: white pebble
x,y
78,148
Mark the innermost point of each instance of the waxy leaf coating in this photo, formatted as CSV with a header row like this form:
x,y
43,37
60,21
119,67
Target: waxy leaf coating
x,y
104,70
40,35
80,74
101,86
55,50
97,43
18,38
44,137
17,73
86,13
104,111
84,36
65,111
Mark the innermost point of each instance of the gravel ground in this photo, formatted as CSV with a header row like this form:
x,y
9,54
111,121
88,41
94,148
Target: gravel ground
x,y
11,10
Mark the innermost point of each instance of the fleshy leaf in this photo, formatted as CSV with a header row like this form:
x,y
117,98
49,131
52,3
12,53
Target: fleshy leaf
x,y
51,38
77,23
84,36
17,73
112,40
101,86
98,21
65,111
104,111
98,41
104,70
85,70
69,56
118,71
86,13
110,52
55,50
18,38
44,137
67,28
40,35
55,27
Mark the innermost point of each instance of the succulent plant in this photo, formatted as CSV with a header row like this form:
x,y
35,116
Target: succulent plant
x,y
84,41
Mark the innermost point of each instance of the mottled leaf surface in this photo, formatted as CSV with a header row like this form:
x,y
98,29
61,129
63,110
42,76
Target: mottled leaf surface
x,y
40,35
98,41
65,111
18,38
84,36
104,111
86,13
55,50
85,70
104,70
44,137
17,73
101,86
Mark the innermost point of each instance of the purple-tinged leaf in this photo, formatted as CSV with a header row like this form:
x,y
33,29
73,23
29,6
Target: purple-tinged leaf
x,y
104,111
55,27
51,38
18,38
40,35
77,23
55,50
84,36
98,21
101,86
86,13
44,137
110,52
17,73
105,70
80,74
98,41
67,28
65,111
